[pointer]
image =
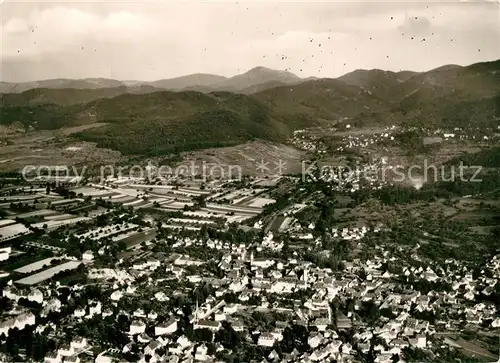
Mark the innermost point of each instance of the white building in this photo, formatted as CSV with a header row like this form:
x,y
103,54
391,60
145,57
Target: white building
x,y
169,327
78,313
20,322
52,357
266,340
79,343
36,296
116,295
201,353
315,340
66,350
88,256
5,253
137,327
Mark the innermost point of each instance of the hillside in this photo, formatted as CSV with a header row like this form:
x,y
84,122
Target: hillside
x,y
320,100
190,81
476,81
172,122
143,120
90,83
69,96
258,77
389,86
374,77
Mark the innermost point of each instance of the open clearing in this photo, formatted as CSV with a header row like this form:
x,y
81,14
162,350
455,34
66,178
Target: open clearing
x,y
51,147
249,156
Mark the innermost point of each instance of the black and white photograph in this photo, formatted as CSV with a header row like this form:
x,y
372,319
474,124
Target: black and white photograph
x,y
250,181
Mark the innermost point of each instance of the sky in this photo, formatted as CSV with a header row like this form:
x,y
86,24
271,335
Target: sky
x,y
151,40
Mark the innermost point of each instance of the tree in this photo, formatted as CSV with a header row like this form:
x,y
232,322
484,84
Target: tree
x,y
227,336
325,220
199,201
286,246
203,335
294,337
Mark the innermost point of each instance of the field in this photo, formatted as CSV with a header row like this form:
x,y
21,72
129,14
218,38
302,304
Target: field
x,y
47,274
137,238
49,147
248,156
35,266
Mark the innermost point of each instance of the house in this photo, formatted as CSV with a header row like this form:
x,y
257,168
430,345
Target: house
x,y
399,343
384,358
65,350
10,292
4,253
277,334
244,296
79,343
36,296
315,340
346,348
274,356
143,338
51,305
151,347
420,341
262,263
88,256
137,327
201,353
161,296
95,309
207,324
128,347
496,323
343,322
171,359
220,316
364,347
230,309
153,263
116,295
320,355
321,323
334,346
182,343
237,325
72,359
104,357
266,340
20,322
78,313
52,357
169,327
139,313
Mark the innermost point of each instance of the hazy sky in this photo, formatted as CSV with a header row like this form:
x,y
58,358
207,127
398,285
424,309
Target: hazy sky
x,y
155,40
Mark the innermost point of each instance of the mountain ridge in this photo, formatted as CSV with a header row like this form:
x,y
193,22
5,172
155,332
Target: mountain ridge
x,y
255,78
143,120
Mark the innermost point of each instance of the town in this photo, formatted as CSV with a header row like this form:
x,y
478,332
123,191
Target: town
x,y
280,268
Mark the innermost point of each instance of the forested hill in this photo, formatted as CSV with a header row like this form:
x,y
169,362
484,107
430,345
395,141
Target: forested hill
x,y
144,120
171,122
